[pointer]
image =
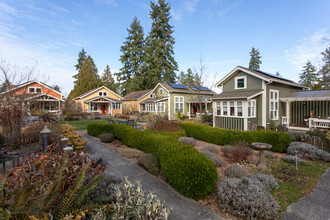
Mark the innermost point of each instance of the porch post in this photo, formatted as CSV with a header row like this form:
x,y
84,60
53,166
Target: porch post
x,y
156,106
206,110
214,110
189,112
59,106
109,108
288,114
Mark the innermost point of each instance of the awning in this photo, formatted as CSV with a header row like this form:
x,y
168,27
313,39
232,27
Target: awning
x,y
313,95
244,94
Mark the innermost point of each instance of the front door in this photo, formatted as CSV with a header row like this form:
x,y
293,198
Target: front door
x,y
103,108
195,110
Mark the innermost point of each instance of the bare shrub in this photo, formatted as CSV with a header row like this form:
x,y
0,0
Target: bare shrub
x,y
188,140
241,153
292,159
211,148
165,125
227,150
235,171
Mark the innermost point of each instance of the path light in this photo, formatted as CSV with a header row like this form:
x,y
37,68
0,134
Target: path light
x,y
45,133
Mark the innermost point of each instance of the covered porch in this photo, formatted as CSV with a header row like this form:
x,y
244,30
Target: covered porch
x,y
199,106
44,103
155,105
307,110
104,105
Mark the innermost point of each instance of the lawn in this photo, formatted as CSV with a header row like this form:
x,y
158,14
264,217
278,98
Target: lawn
x,y
82,124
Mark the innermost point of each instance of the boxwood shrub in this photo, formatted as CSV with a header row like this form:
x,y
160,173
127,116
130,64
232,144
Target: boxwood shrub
x,y
279,140
187,170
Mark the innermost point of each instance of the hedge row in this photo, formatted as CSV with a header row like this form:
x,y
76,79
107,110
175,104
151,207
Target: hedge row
x,y
279,140
187,170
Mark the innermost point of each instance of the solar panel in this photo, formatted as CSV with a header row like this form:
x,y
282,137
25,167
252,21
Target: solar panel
x,y
193,88
177,86
202,88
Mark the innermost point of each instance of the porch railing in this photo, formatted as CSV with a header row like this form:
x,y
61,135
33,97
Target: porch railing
x,y
318,123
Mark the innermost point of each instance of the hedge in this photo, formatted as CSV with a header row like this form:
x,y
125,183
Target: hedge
x,y
279,140
187,170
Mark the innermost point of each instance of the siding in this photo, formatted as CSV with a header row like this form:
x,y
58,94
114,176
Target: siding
x,y
24,90
229,123
253,83
299,110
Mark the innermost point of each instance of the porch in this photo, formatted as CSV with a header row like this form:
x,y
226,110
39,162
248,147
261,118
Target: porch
x,y
307,110
104,106
44,103
199,106
154,105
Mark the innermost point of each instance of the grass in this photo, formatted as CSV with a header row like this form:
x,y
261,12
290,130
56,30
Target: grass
x,y
82,124
294,184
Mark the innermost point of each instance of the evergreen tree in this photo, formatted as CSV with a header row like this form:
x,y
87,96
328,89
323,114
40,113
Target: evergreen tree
x,y
187,78
325,69
4,86
88,78
278,73
108,81
132,57
308,77
81,58
57,88
255,59
160,64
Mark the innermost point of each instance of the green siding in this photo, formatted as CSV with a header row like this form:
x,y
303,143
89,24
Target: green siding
x,y
302,109
229,123
253,83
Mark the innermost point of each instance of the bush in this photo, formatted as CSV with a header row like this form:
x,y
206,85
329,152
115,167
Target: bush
x,y
328,136
165,125
304,150
71,118
188,141
299,136
267,181
280,141
2,141
218,161
186,169
106,137
246,199
151,163
235,171
207,119
269,154
241,152
75,139
227,150
292,159
318,133
105,192
211,148
176,135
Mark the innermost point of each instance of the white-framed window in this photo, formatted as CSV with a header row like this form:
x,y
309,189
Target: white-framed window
x,y
103,93
161,107
232,108
252,108
150,107
273,104
218,108
116,106
160,92
240,108
151,95
178,104
225,108
93,106
240,82
34,90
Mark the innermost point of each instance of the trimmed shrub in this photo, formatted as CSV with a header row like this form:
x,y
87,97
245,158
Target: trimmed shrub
x,y
177,135
304,150
235,171
245,198
106,137
267,181
218,161
280,141
151,163
211,148
186,169
292,159
318,133
188,141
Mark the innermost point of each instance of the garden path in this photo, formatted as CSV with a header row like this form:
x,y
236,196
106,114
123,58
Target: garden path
x,y
315,206
182,207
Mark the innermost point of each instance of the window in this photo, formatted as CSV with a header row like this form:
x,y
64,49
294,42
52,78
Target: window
x,y
232,108
150,107
103,93
239,109
38,90
151,95
218,108
161,107
34,90
125,105
160,92
116,106
178,104
47,106
93,106
225,108
273,104
31,90
100,93
240,82
144,107
252,108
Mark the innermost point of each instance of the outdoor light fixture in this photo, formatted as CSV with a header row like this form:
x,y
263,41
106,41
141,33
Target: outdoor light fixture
x,y
45,133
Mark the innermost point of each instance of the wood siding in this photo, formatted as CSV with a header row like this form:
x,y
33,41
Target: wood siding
x,y
229,123
301,109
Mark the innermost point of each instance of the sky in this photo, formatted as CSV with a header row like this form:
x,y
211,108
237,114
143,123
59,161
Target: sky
x,y
49,34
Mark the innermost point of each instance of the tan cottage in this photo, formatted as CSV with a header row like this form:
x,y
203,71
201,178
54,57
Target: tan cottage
x,y
131,102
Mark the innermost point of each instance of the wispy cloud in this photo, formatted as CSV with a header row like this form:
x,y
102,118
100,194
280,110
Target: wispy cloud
x,y
190,5
309,48
222,12
187,7
112,3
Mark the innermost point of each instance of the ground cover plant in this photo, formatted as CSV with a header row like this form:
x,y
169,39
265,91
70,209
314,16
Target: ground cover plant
x,y
304,150
279,140
186,169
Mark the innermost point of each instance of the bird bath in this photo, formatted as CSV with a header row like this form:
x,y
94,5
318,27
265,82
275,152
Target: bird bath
x,y
261,147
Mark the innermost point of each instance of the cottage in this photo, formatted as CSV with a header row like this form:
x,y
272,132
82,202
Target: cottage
x,y
253,97
169,98
100,100
131,102
38,96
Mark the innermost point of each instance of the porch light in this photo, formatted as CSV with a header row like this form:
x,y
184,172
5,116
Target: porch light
x,y
45,133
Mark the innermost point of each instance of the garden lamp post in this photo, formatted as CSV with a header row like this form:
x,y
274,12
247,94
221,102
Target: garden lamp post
x,y
45,133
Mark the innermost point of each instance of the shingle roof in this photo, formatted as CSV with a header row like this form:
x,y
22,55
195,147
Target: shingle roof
x,y
237,94
188,90
305,95
201,99
136,95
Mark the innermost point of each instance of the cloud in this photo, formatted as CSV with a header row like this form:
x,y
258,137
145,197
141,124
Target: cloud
x,y
4,8
309,48
190,6
222,12
112,3
187,7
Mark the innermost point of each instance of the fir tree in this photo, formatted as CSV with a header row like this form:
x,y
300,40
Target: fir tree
x,y
278,73
255,59
4,86
88,78
108,81
57,88
160,64
324,72
187,78
308,77
132,57
81,58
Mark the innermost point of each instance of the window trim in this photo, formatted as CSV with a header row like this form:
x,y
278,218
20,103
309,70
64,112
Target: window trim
x,y
35,89
161,91
103,92
241,77
159,106
179,104
274,101
254,109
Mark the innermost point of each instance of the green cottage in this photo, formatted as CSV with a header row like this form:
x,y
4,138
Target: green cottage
x,y
169,98
252,98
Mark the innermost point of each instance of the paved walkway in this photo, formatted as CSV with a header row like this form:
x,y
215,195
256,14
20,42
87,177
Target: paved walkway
x,y
182,207
315,206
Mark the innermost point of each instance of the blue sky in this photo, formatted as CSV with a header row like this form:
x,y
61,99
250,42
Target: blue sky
x,y
51,33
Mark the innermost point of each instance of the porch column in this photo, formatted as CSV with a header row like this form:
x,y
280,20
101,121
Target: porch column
x,y
288,114
206,110
214,110
156,106
189,112
109,108
59,106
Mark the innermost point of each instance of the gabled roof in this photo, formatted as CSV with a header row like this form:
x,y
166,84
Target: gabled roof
x,y
31,97
136,95
268,77
103,97
248,94
95,90
14,87
189,90
312,95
